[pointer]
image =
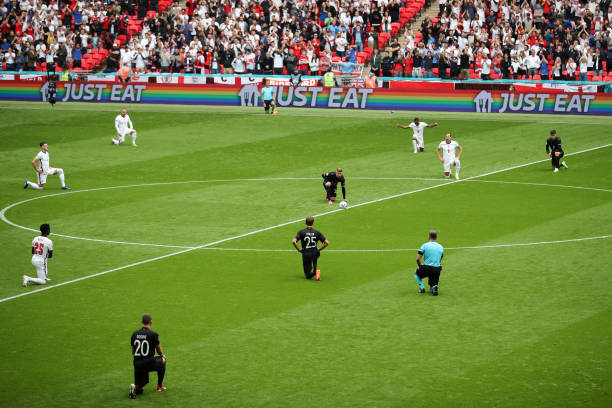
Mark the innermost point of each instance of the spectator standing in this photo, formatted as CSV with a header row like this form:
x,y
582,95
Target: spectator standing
x,y
464,64
77,56
533,64
375,62
386,65
583,77
9,59
291,61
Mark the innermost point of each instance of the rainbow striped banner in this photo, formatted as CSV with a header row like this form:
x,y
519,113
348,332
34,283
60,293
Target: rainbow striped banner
x,y
538,101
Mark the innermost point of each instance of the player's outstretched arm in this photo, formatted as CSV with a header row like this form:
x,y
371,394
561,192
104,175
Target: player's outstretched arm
x,y
433,125
402,126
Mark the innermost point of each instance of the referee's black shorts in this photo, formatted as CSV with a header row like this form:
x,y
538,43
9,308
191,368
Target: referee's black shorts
x,y
267,104
142,369
309,261
432,273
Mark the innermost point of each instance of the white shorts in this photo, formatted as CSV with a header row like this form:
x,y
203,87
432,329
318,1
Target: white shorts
x,y
40,264
448,164
42,177
419,140
121,136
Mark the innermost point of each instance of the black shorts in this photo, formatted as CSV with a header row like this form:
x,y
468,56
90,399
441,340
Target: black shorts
x,y
142,369
331,190
309,261
430,272
267,104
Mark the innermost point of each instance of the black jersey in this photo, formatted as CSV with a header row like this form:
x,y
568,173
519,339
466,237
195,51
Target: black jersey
x,y
144,343
309,238
333,178
553,145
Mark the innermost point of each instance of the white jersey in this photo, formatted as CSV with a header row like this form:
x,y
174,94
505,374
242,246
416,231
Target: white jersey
x,y
448,150
123,124
43,161
41,246
417,130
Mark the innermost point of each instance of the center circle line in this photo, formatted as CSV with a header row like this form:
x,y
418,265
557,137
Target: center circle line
x,y
6,220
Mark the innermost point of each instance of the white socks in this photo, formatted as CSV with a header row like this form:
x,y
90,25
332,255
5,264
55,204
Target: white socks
x,y
60,172
416,146
457,168
121,138
36,280
34,186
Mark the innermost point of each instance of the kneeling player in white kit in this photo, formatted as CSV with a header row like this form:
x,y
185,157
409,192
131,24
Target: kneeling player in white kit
x,y
124,126
448,147
41,165
42,249
417,133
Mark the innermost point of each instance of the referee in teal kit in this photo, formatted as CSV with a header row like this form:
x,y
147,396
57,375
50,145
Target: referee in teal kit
x,y
431,268
267,97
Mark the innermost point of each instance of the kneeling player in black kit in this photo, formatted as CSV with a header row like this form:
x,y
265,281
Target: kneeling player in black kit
x,y
555,151
310,253
330,183
144,344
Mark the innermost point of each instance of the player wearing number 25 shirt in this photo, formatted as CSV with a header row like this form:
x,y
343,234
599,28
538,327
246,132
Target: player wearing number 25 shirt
x,y
42,249
144,343
309,237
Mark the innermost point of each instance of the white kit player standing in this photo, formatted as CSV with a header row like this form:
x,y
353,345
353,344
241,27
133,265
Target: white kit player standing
x,y
124,126
417,133
448,147
41,165
42,249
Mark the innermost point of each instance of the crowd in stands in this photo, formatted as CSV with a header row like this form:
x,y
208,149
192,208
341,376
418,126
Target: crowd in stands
x,y
547,39
508,39
200,36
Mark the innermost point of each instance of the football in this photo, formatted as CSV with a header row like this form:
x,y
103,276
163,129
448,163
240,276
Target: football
x,y
343,205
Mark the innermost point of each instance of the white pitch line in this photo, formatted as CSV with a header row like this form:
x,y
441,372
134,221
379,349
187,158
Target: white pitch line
x,y
517,244
144,244
278,225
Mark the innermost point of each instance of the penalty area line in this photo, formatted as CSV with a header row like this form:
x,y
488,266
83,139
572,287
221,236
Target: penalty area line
x,y
246,234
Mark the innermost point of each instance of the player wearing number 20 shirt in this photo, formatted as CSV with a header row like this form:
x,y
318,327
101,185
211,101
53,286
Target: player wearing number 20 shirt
x,y
309,237
144,343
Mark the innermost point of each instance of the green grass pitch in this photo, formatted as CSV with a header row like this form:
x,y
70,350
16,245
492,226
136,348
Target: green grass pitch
x,y
514,325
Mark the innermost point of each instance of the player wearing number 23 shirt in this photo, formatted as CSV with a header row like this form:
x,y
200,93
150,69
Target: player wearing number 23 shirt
x,y
42,250
309,237
145,342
